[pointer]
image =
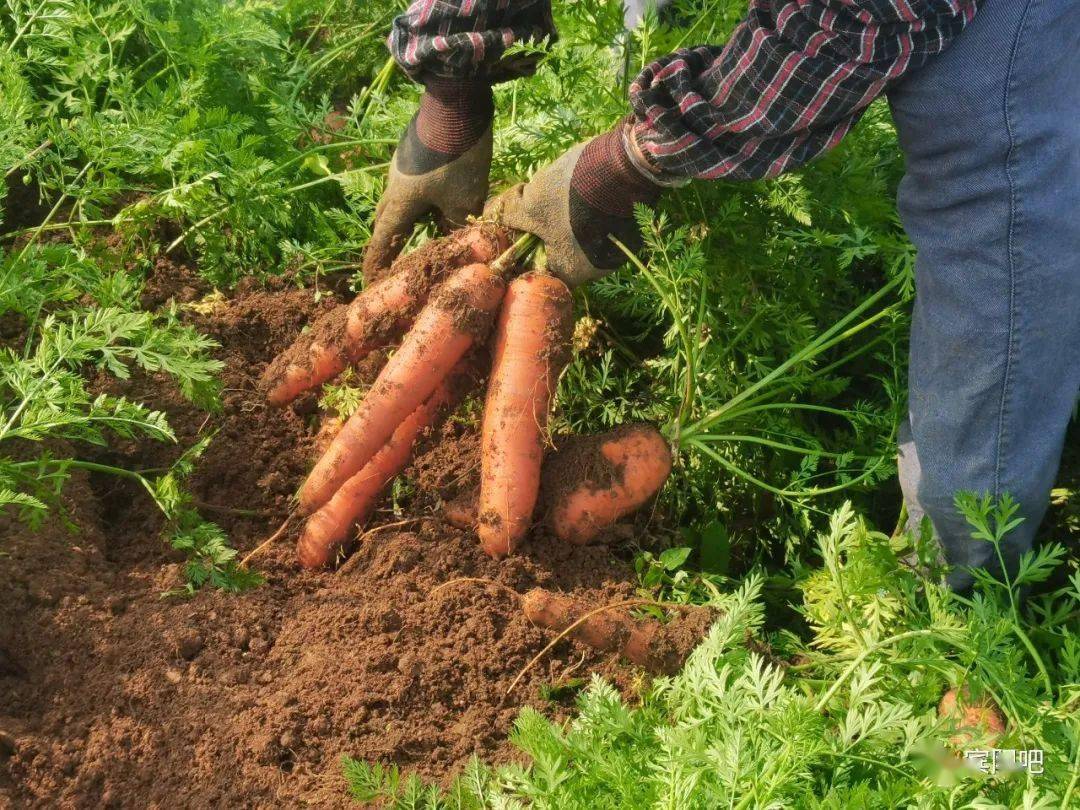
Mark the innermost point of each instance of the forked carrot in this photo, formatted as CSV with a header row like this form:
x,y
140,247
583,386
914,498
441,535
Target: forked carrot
x,y
532,340
327,530
460,314
377,316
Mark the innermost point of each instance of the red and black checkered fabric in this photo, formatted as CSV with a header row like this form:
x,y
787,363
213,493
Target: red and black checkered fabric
x,y
790,83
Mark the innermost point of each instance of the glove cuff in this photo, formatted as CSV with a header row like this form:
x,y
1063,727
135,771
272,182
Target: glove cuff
x,y
606,179
454,114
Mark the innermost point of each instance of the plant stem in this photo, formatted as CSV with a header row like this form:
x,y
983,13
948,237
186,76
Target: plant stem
x,y
518,253
873,648
834,334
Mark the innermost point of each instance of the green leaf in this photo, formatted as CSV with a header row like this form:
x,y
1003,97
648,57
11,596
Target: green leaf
x,y
673,558
318,164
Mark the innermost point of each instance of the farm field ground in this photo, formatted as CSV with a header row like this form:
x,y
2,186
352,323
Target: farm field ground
x,y
251,700
184,187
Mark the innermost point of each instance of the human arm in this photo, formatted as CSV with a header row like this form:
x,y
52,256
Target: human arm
x,y
457,50
790,83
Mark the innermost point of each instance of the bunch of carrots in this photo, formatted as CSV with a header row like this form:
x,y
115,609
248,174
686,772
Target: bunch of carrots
x,y
440,318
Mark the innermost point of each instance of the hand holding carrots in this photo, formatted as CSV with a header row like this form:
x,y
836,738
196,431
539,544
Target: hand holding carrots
x,y
441,304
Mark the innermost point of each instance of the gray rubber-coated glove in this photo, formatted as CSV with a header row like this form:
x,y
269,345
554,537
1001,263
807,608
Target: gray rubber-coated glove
x,y
576,204
440,167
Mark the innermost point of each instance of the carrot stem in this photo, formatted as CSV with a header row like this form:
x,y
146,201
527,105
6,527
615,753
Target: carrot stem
x,y
517,254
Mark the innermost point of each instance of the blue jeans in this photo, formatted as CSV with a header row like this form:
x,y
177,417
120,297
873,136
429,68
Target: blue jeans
x,y
991,200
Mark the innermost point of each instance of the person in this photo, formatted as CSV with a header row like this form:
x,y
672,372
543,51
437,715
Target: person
x,y
986,99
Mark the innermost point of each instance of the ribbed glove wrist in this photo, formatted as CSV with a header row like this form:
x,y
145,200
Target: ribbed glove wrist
x,y
604,188
454,114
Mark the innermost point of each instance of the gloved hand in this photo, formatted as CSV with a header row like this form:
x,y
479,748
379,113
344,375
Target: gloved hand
x,y
441,165
577,203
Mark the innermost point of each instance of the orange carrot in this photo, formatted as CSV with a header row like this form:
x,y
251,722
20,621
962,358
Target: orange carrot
x,y
462,511
531,342
971,721
458,316
378,315
648,643
588,494
327,530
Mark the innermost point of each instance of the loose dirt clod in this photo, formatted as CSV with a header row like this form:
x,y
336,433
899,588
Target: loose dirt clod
x,y
360,661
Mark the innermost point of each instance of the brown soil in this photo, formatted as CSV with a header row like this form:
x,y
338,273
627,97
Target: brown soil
x,y
112,696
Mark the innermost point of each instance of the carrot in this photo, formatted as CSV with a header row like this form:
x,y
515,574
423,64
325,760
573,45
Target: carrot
x,y
648,643
531,342
327,530
329,427
971,720
462,511
459,315
378,315
592,482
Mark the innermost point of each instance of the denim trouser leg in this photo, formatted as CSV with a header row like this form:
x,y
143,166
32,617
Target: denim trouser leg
x,y
991,199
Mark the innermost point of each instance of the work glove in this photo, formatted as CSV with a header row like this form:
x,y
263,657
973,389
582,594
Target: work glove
x,y
576,204
441,166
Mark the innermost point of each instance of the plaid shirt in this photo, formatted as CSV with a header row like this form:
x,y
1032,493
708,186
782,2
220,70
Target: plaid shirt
x,y
793,79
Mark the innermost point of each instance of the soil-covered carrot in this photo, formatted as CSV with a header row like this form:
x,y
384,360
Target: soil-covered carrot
x,y
462,511
532,341
378,315
327,530
329,428
657,647
973,721
458,316
590,482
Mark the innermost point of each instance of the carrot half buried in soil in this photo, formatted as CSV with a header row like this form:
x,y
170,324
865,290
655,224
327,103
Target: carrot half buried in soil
x,y
327,530
459,315
532,340
593,481
657,647
378,315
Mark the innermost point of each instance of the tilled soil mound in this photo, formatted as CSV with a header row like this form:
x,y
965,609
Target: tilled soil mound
x,y
112,696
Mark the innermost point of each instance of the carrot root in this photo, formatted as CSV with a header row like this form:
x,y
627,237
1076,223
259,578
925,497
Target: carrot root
x,y
379,315
588,492
328,529
656,647
531,342
458,316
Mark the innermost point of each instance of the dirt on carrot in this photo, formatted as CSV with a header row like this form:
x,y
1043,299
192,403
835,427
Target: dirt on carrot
x,y
328,330
574,462
111,696
466,317
437,257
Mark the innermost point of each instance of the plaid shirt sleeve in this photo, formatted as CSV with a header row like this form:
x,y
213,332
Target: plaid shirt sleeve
x,y
793,79
468,38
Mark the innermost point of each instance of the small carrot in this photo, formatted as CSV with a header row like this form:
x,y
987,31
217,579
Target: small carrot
x,y
532,339
971,720
460,314
462,511
588,493
327,530
647,643
378,315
